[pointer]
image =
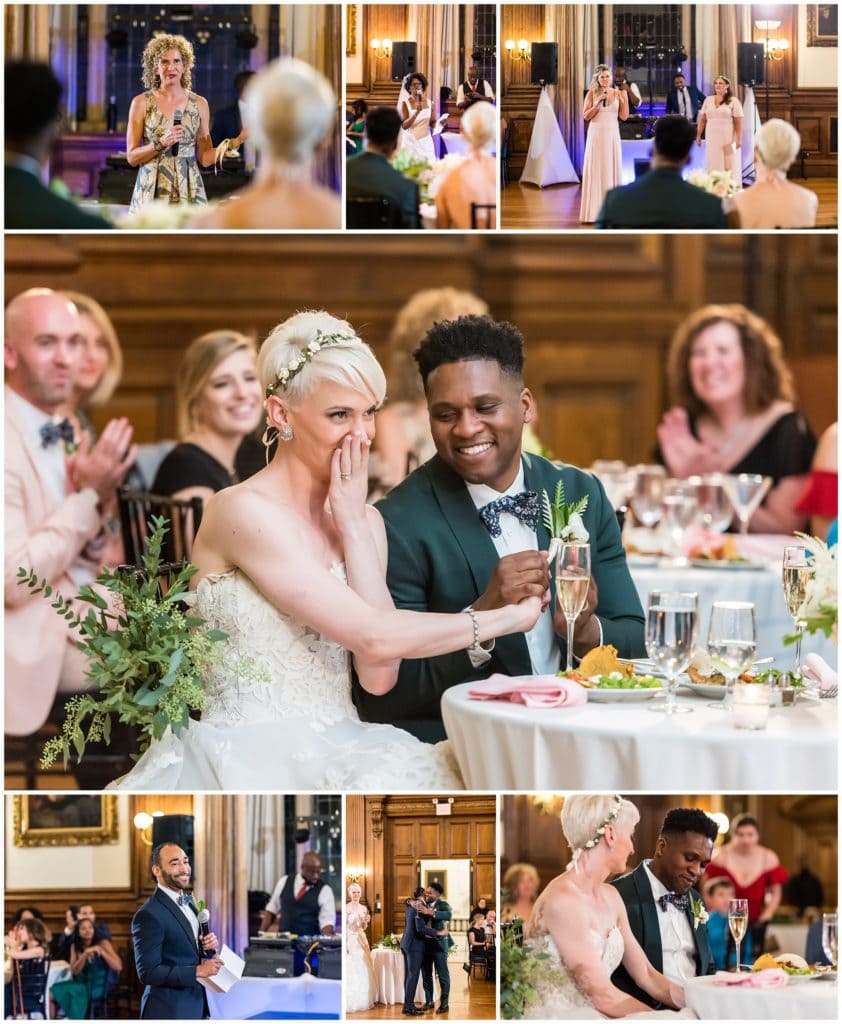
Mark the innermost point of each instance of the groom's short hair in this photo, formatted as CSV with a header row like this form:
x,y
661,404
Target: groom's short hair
x,y
437,886
689,819
471,337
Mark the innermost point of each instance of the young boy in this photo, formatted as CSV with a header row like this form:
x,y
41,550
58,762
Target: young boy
x,y
718,895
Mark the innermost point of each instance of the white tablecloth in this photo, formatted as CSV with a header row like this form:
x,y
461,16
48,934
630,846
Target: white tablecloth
x,y
389,977
250,996
625,746
800,1000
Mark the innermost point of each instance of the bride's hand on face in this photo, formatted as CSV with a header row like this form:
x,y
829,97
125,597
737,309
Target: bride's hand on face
x,y
349,482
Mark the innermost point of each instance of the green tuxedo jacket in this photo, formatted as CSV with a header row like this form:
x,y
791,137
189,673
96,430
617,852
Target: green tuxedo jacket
x,y
643,918
441,557
443,914
370,174
29,204
661,199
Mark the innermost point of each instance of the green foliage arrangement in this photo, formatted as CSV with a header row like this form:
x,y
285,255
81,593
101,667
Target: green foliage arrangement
x,y
390,941
520,968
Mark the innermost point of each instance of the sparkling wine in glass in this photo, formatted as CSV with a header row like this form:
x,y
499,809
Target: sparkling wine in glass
x,y
647,493
746,491
732,643
830,937
672,624
738,923
572,579
715,509
796,573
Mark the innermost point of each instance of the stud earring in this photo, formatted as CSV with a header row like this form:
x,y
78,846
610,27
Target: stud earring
x,y
286,432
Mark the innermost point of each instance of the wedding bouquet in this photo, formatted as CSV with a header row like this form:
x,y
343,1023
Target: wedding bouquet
x,y
146,655
819,613
390,941
718,183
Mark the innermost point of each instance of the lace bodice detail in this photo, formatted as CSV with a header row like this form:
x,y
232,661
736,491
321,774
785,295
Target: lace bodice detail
x,y
355,917
271,667
556,990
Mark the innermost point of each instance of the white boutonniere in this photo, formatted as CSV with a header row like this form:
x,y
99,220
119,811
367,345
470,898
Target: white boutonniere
x,y
700,914
564,520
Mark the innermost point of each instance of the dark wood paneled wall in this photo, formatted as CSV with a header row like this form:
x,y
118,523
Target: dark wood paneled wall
x,y
597,310
386,836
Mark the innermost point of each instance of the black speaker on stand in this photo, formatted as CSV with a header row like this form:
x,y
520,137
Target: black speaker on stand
x,y
174,828
403,59
544,63
751,65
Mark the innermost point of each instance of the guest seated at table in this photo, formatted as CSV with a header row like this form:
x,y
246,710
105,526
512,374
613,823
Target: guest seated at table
x,y
718,895
491,925
289,109
26,940
94,963
403,440
473,181
773,201
219,403
733,410
476,933
100,365
355,131
820,500
470,516
520,890
32,125
481,907
755,872
26,914
370,175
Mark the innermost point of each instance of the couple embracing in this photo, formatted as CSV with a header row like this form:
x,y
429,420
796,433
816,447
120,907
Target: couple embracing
x,y
425,943
624,949
345,623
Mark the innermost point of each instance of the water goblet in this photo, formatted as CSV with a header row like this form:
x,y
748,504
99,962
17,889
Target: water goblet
x,y
715,509
732,643
646,494
830,937
672,622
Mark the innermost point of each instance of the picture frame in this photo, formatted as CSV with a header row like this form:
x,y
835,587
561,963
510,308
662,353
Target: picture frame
x,y
822,25
64,819
351,30
436,875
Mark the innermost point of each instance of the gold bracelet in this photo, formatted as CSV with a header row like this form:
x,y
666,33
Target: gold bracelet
x,y
475,646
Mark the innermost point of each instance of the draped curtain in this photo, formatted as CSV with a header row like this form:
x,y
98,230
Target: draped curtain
x,y
265,838
435,27
222,865
576,28
27,31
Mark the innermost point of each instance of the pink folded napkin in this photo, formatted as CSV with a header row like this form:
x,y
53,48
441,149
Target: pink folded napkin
x,y
816,668
533,691
772,977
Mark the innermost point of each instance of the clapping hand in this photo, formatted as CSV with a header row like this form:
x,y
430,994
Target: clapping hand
x,y
103,466
684,454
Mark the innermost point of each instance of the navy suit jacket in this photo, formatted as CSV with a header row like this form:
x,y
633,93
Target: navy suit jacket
x,y
643,920
697,98
167,955
226,124
661,198
415,932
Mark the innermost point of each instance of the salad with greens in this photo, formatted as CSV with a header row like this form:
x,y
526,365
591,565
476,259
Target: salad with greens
x,y
614,681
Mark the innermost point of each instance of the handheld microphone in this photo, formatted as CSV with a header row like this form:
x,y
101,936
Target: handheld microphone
x,y
176,120
605,98
203,917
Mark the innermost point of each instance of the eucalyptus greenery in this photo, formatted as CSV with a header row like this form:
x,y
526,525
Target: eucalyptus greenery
x,y
146,655
520,968
390,941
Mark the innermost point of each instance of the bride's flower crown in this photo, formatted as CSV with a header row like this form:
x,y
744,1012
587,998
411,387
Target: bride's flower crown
x,y
610,818
320,341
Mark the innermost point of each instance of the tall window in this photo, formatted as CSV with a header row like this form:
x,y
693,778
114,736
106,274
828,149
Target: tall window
x,y
485,43
325,825
647,37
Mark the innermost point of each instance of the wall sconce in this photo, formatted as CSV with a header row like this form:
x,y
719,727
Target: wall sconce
x,y
549,803
519,50
774,49
382,47
355,874
143,823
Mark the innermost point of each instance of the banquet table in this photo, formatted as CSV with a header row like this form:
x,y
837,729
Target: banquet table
x,y
622,745
810,999
252,997
389,977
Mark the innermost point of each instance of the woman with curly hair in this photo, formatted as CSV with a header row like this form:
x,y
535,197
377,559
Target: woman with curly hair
x,y
168,135
416,112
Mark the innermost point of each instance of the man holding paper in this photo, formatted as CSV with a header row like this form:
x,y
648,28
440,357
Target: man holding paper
x,y
169,952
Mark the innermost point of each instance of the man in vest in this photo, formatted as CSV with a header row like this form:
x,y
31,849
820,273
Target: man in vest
x,y
302,904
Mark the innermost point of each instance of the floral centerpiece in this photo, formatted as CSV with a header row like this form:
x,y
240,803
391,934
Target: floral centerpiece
x,y
390,941
146,655
428,174
718,183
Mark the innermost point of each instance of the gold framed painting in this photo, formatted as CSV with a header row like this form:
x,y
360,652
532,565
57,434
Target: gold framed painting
x,y
64,819
437,875
822,22
351,30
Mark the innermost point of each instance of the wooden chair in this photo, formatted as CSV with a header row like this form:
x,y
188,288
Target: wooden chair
x,y
483,215
478,958
29,987
136,508
371,213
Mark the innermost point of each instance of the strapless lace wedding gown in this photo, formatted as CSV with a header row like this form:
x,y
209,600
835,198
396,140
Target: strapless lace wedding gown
x,y
279,715
558,997
360,984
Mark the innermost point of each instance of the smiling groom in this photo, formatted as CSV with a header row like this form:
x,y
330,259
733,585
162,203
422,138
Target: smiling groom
x,y
465,529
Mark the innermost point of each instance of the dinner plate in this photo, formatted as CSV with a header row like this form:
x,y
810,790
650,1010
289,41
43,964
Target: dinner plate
x,y
721,564
602,695
642,561
704,689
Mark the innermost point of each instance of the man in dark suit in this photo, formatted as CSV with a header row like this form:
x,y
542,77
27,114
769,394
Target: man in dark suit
x,y
167,948
33,94
413,947
438,913
227,122
666,911
450,547
369,174
684,99
661,198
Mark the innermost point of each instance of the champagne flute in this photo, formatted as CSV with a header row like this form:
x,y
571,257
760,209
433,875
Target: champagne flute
x,y
572,579
746,491
732,643
672,622
796,573
830,937
738,923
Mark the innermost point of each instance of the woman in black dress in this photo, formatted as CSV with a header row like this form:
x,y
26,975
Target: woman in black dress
x,y
219,403
733,410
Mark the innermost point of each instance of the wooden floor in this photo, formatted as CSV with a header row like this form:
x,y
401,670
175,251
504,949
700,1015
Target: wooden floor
x,y
469,1000
526,207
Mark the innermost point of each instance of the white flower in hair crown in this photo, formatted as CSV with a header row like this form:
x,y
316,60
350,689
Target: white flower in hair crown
x,y
321,340
610,818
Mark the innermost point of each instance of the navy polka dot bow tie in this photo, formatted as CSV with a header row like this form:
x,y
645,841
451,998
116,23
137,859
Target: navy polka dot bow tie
x,y
523,506
679,901
52,432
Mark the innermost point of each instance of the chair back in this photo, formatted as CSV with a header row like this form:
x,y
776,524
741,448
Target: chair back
x,y
136,508
483,215
29,986
504,156
371,212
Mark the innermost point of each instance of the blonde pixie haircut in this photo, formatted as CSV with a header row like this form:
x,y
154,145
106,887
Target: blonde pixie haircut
x,y
202,357
289,109
350,362
584,813
157,46
777,144
112,373
479,124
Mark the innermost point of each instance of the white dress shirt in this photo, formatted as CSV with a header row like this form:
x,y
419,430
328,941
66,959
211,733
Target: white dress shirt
x,y
192,920
677,942
482,87
685,105
327,904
